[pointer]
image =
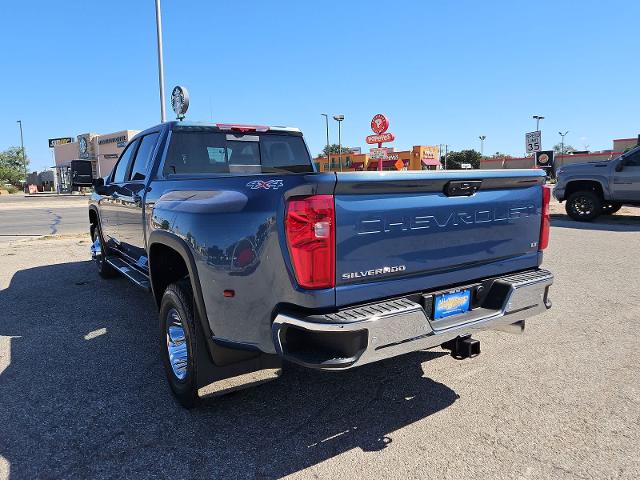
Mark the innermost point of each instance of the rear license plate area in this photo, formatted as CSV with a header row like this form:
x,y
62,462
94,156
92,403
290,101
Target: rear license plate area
x,y
448,304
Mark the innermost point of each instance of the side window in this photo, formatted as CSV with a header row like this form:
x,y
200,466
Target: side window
x,y
142,162
123,163
196,152
633,160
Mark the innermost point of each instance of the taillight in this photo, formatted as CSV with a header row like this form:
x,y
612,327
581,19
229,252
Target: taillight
x,y
310,231
545,226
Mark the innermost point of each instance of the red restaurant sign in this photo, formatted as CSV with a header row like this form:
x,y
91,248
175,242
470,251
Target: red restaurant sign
x,y
379,123
382,138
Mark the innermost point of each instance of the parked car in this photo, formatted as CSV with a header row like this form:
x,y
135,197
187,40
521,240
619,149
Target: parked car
x,y
254,258
599,188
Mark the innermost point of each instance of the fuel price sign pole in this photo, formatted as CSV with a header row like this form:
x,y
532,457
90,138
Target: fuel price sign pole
x,y
380,125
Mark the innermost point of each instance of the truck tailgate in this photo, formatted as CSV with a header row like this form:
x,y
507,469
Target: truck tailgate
x,y
403,232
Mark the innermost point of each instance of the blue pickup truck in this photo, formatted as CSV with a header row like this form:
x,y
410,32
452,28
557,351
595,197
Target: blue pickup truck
x,y
253,257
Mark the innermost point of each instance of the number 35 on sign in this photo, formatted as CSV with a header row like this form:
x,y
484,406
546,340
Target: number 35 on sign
x,y
533,141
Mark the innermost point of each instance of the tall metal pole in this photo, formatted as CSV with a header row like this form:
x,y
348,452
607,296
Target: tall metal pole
x,y
562,144
326,121
340,144
24,158
163,115
339,119
482,137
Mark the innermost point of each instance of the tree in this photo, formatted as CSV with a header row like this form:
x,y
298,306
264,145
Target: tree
x,y
456,159
567,148
11,166
334,149
500,155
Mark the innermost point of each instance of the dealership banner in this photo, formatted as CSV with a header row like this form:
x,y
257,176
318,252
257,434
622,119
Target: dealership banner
x,y
544,159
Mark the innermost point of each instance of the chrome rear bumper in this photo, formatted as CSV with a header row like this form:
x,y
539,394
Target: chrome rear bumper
x,y
360,335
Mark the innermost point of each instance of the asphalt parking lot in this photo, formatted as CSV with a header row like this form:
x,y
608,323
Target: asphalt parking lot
x,y
83,394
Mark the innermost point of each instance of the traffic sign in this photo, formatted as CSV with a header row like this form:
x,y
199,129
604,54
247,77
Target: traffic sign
x,y
533,141
399,164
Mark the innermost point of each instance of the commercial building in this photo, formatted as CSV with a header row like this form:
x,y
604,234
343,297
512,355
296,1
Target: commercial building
x,y
620,145
420,157
102,150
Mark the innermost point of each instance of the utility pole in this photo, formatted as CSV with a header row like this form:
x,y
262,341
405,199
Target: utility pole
x,y
24,157
326,121
339,119
482,138
163,115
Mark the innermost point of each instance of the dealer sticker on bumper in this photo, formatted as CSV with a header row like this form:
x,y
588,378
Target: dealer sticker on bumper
x,y
449,304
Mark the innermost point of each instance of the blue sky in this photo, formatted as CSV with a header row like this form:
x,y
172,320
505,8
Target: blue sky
x,y
443,72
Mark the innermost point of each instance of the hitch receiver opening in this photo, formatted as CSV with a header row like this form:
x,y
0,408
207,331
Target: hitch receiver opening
x,y
463,347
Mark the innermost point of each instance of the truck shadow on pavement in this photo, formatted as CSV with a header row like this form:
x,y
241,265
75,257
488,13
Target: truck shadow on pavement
x,y
83,394
611,223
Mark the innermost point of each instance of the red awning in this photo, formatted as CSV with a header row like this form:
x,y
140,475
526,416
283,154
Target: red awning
x,y
431,161
357,165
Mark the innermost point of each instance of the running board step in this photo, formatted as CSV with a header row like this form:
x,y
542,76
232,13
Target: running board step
x,y
136,276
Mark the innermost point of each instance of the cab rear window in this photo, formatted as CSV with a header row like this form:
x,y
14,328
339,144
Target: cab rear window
x,y
212,152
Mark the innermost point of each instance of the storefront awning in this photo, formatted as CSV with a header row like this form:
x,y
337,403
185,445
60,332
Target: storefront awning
x,y
434,162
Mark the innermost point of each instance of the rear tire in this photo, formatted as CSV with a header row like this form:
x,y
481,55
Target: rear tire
x,y
584,206
104,269
178,341
610,208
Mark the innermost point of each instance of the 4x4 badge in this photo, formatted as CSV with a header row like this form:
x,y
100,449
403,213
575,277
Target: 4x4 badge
x,y
265,184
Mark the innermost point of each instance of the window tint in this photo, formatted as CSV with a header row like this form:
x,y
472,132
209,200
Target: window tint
x,y
123,163
196,152
633,160
202,152
141,164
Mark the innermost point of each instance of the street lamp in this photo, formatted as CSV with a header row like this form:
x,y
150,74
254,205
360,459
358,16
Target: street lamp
x,y
482,137
537,118
163,115
562,145
24,158
339,119
326,121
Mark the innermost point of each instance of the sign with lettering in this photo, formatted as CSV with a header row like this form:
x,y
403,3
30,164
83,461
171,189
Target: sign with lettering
x,y
53,142
382,138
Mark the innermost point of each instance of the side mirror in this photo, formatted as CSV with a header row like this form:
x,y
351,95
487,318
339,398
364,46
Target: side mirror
x,y
97,182
620,166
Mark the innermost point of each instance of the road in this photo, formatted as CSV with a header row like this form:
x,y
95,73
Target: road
x,y
22,217
83,393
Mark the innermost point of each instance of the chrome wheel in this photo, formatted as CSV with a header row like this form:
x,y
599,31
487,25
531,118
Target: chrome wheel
x,y
176,344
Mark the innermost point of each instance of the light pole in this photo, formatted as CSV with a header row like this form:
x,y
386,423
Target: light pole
x,y
537,118
339,119
482,137
562,145
24,158
163,115
326,121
